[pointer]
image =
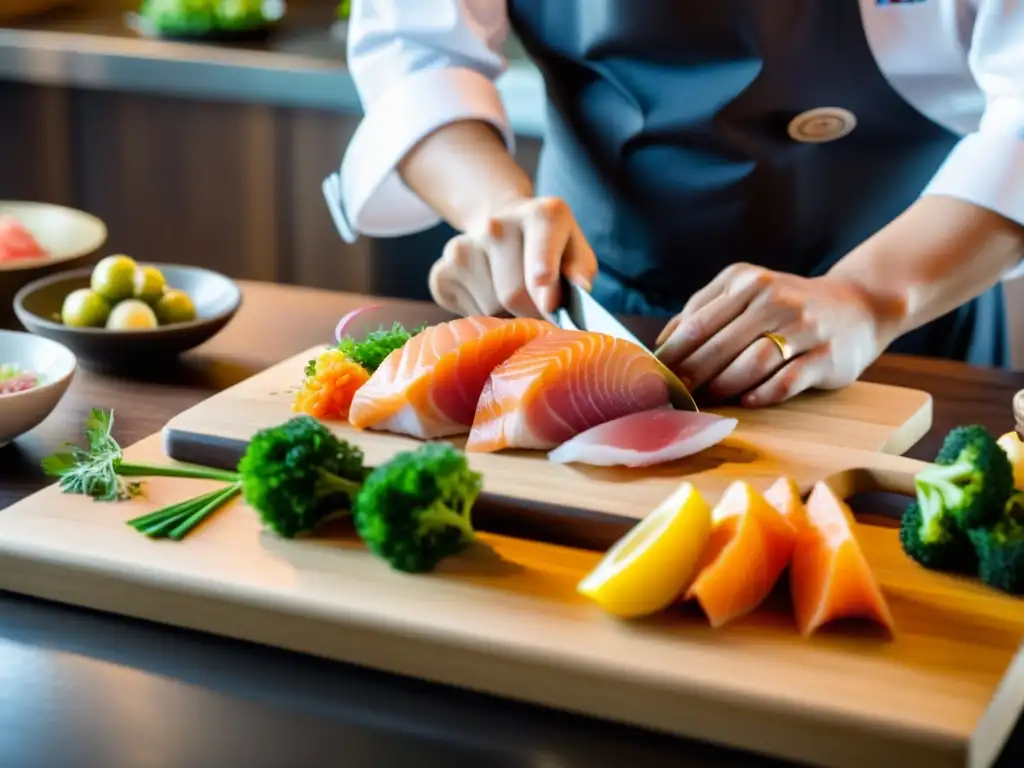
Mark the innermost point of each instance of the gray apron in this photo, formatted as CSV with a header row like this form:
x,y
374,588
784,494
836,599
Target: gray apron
x,y
669,137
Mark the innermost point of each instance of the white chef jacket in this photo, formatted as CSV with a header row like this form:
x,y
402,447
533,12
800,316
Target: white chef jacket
x,y
421,64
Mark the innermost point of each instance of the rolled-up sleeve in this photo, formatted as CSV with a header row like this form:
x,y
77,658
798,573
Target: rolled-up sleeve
x,y
987,166
417,66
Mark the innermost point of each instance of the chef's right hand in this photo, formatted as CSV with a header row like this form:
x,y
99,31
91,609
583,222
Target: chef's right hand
x,y
512,261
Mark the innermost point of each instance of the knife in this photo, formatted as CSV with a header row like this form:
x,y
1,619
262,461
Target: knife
x,y
579,311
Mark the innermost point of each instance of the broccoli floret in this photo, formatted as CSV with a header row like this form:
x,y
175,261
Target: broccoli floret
x,y
414,511
936,544
298,474
968,485
1000,549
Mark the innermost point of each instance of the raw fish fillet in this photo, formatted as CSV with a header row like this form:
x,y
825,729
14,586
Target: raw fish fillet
x,y
750,546
429,387
16,242
644,438
560,385
830,578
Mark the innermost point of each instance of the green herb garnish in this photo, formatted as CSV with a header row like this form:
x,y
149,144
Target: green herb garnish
x,y
176,521
373,349
100,471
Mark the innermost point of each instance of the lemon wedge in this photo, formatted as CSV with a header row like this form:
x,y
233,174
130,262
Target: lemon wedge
x,y
1014,449
653,564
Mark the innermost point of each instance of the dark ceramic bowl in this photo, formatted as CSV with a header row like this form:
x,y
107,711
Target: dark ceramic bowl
x,y
216,298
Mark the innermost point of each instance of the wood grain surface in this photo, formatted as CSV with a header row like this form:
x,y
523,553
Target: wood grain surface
x,y
278,321
504,618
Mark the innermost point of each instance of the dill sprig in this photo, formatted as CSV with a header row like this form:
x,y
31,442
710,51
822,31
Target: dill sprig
x,y
100,471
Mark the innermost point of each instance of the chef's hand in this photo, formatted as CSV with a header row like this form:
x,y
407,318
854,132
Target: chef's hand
x,y
511,262
833,328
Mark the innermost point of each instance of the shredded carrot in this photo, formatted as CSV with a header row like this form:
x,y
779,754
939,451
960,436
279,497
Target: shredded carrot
x,y
328,393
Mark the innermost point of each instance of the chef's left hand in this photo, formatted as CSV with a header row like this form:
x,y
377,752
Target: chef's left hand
x,y
831,325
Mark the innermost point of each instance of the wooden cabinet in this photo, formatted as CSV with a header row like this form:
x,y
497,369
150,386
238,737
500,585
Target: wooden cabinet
x,y
231,186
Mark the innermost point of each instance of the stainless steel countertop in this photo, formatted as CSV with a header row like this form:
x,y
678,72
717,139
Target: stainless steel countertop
x,y
301,65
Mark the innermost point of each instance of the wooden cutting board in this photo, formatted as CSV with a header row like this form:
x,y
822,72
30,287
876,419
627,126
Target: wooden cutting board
x,y
865,416
504,618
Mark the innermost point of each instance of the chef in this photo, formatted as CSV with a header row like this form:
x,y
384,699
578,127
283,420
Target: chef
x,y
795,185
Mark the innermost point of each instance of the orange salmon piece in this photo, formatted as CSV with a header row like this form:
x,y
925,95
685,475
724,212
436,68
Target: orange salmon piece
x,y
429,387
750,546
830,578
562,384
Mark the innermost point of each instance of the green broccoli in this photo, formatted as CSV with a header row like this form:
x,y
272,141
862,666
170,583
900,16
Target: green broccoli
x,y
414,511
969,484
1000,549
935,543
298,474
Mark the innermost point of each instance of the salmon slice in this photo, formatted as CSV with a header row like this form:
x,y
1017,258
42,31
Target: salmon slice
x,y
562,384
830,578
430,386
750,546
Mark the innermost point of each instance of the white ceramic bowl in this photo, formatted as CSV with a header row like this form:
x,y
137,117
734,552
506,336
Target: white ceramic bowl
x,y
65,233
55,363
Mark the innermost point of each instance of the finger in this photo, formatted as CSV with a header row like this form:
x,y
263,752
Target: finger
x,y
579,263
757,363
447,279
713,357
791,380
670,326
732,275
547,227
694,332
503,245
449,294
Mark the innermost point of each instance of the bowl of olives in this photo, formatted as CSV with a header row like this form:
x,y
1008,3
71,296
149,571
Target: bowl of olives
x,y
124,313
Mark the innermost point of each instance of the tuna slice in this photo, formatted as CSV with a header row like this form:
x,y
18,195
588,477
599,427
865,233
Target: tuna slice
x,y
429,387
562,384
16,242
644,438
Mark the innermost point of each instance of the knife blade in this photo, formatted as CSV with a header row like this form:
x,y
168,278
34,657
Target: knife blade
x,y
580,311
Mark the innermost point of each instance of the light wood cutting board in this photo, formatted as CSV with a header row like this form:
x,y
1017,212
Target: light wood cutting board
x,y
504,618
865,416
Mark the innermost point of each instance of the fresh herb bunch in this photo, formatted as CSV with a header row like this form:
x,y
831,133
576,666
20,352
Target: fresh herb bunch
x,y
100,471
298,474
414,511
374,349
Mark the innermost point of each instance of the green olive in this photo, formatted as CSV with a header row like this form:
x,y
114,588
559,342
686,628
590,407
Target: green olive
x,y
149,284
131,315
175,307
84,308
113,278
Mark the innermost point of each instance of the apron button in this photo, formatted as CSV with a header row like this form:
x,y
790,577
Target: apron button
x,y
817,126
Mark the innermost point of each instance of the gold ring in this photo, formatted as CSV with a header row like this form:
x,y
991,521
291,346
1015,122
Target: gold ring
x,y
782,344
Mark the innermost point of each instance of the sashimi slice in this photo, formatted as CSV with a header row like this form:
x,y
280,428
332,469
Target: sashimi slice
x,y
645,438
750,546
429,387
562,384
830,578
16,242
